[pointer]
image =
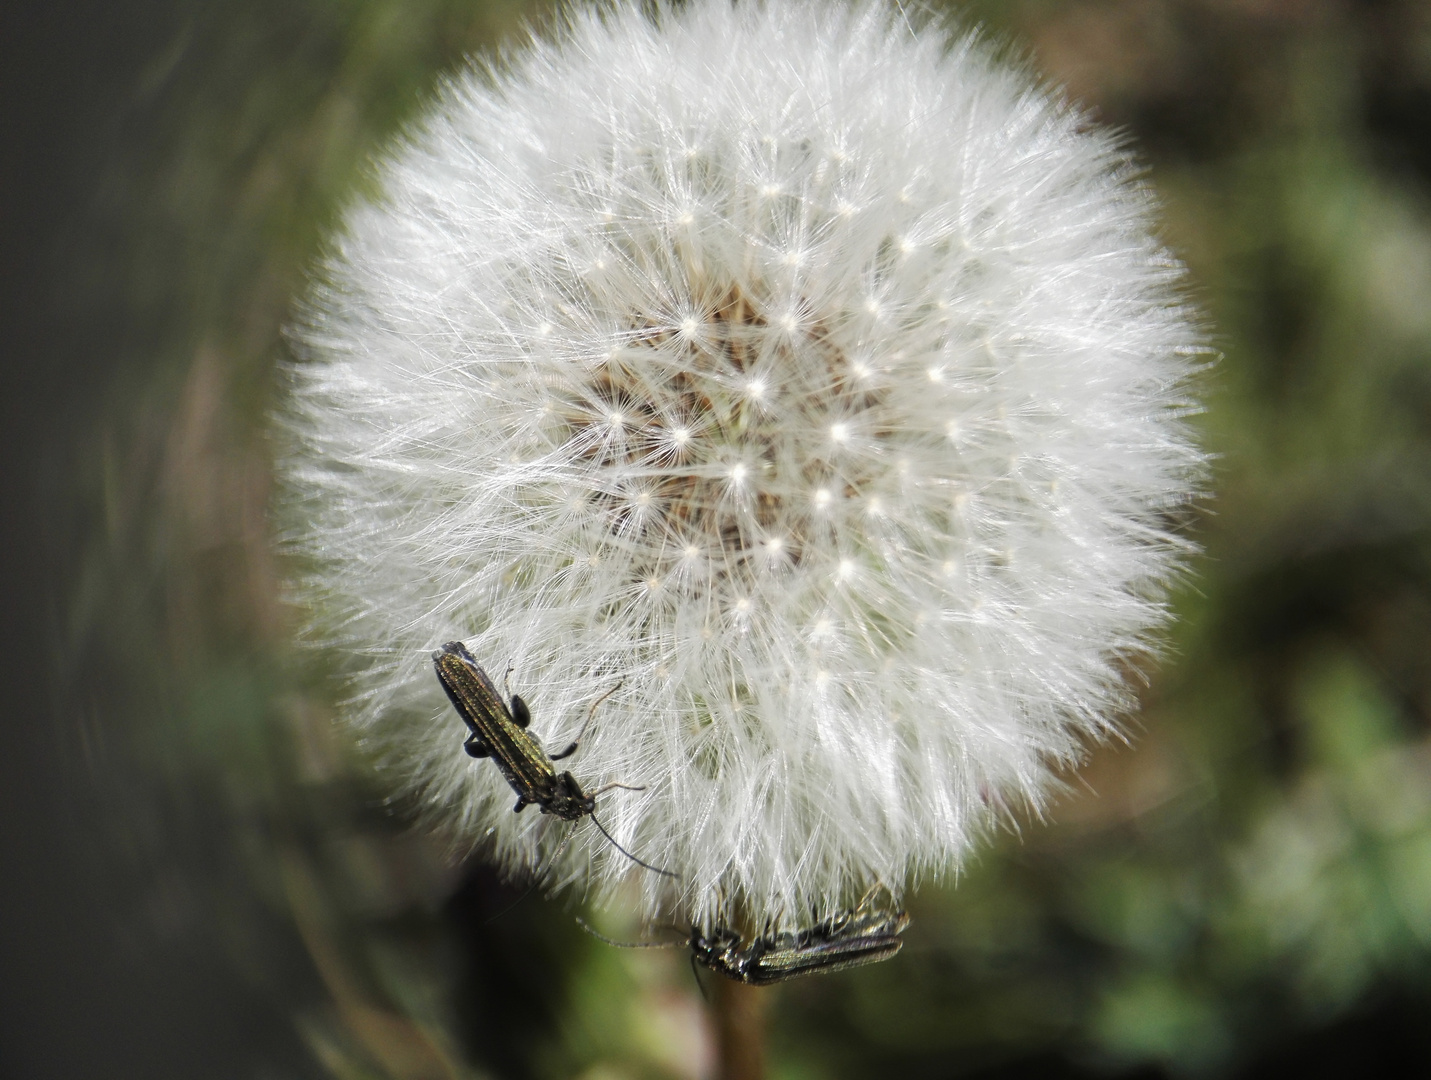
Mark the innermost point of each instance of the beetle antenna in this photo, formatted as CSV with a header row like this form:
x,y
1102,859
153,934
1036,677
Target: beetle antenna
x,y
613,787
633,858
537,879
695,974
628,944
586,723
529,890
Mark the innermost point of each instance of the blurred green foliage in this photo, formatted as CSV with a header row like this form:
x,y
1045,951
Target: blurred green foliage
x,y
1244,888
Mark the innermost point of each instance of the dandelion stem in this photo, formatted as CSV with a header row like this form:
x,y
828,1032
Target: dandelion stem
x,y
740,1030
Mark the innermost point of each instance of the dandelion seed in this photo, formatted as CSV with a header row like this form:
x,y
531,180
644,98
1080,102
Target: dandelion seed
x,y
722,470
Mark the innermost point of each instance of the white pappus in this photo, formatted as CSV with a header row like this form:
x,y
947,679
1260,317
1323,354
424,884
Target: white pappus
x,y
816,378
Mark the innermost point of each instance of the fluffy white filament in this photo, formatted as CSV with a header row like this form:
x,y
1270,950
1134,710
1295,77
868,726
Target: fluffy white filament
x,y
817,380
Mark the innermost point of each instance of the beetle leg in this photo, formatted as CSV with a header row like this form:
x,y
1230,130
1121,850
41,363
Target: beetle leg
x,y
476,747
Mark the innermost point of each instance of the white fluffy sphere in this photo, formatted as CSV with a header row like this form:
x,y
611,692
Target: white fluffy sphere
x,y
818,380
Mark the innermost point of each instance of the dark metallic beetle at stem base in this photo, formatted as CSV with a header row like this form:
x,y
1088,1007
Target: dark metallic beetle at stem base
x,y
864,936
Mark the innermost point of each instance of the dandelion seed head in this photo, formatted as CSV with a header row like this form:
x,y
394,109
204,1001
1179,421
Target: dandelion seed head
x,y
818,380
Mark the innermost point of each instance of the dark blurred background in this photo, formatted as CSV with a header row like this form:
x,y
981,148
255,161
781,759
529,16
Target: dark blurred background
x,y
199,877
